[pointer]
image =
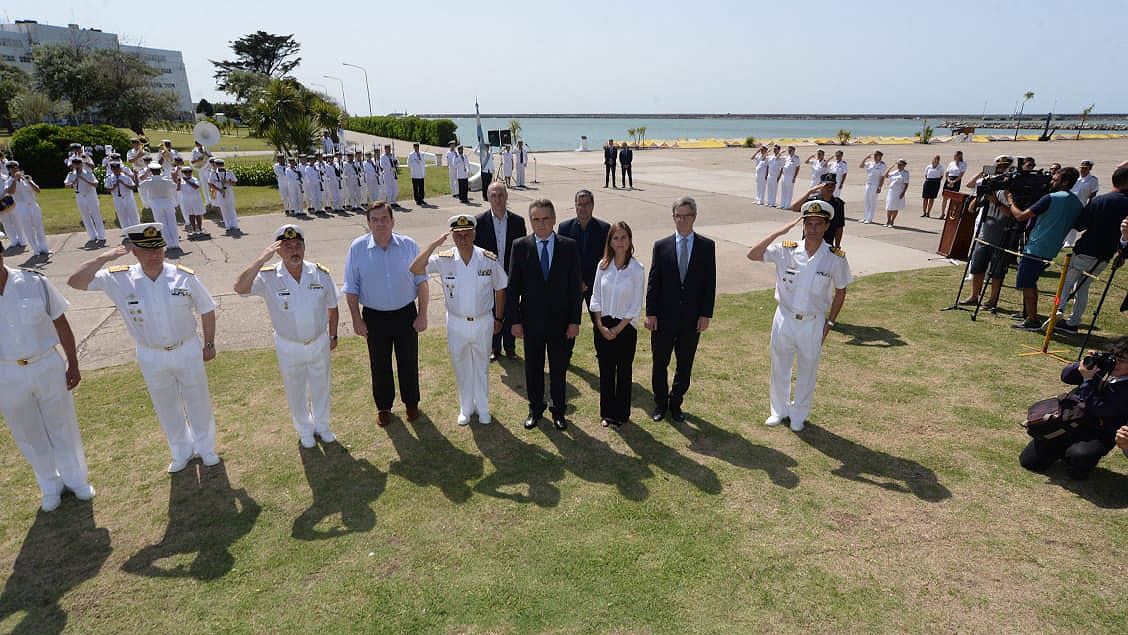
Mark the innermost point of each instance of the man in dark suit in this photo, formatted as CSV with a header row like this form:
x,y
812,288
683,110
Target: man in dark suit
x,y
626,157
542,302
501,223
609,154
679,304
590,235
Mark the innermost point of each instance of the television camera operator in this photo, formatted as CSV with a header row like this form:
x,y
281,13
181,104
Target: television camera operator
x,y
1102,392
996,228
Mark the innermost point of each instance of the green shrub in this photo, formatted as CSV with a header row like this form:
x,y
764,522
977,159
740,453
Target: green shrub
x,y
749,142
436,132
41,148
254,173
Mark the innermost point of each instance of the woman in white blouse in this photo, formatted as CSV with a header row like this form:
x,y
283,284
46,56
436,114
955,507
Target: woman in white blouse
x,y
933,175
955,171
616,301
898,179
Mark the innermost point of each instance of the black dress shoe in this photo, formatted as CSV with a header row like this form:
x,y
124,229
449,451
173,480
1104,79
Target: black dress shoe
x,y
558,422
511,353
676,414
531,421
658,414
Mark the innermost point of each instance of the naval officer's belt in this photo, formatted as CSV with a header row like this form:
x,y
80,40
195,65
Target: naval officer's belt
x,y
29,360
798,315
170,347
302,342
473,318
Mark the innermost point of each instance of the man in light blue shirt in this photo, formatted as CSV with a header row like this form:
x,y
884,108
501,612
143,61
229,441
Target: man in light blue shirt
x,y
381,293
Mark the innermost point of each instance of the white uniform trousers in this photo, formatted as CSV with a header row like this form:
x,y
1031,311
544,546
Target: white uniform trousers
x,y
375,190
333,193
391,189
305,375
870,203
91,213
165,214
453,181
520,175
178,386
226,203
284,194
469,345
794,339
770,194
205,178
31,223
126,209
347,188
1078,264
294,198
144,199
786,189
362,193
13,227
39,411
316,196
761,189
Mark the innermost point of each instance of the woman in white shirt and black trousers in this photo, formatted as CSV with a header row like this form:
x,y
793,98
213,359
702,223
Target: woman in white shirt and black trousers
x,y
616,301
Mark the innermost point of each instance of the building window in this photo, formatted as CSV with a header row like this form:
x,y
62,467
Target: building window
x,y
25,59
9,58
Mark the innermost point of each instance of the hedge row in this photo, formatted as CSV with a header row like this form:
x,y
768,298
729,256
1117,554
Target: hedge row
x,y
42,148
435,132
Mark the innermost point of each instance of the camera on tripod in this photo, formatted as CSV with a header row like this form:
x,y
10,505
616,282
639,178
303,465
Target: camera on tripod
x,y
1025,187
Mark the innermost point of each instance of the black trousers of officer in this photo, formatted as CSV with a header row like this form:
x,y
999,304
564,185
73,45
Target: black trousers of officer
x,y
417,190
616,358
627,173
536,343
393,332
680,341
487,177
609,174
1080,455
464,190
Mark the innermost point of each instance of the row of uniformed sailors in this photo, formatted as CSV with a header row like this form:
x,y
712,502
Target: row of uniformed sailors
x,y
344,181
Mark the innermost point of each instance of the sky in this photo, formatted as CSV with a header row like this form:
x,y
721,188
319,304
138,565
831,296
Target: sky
x,y
653,57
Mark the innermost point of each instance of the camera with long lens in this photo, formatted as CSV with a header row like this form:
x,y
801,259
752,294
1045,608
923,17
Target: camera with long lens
x,y
1024,187
1101,361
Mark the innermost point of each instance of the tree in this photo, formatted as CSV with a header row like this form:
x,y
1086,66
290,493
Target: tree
x,y
290,116
1027,96
262,53
641,133
843,136
925,133
12,82
515,129
32,107
124,96
61,71
633,133
1084,117
205,108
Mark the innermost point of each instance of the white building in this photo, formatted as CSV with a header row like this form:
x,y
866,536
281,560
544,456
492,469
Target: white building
x,y
17,40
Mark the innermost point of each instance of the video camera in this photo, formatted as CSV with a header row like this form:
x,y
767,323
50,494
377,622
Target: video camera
x,y
1024,187
1101,361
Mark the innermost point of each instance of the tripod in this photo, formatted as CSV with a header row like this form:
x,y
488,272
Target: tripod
x,y
1119,260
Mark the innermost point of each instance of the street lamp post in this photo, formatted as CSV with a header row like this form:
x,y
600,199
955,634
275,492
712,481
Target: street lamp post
x,y
366,90
343,105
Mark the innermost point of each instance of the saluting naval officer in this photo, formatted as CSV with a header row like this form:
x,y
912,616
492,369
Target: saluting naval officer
x,y
811,281
302,300
156,299
473,282
36,401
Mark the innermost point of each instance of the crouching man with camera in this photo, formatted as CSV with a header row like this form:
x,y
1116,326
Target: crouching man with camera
x,y
1084,426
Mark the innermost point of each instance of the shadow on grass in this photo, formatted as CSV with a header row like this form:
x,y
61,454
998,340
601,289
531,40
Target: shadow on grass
x,y
61,550
517,463
1104,488
869,335
205,517
429,458
887,471
706,438
340,484
596,461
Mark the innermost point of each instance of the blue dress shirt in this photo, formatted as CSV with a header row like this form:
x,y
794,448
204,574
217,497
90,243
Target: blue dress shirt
x,y
381,278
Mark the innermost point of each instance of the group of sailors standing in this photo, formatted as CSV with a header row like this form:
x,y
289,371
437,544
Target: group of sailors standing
x,y
341,180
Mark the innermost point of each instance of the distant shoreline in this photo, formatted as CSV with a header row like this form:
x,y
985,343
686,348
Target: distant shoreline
x,y
752,116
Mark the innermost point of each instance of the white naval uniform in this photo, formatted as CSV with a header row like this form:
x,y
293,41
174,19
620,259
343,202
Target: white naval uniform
x,y
311,178
86,197
1085,188
331,175
449,156
360,188
468,289
125,206
136,158
804,290
225,197
372,177
283,185
200,163
28,215
775,167
159,316
35,402
818,168
348,182
417,165
761,180
898,185
162,197
520,161
391,181
299,311
327,145
874,174
190,202
787,180
839,168
506,164
293,178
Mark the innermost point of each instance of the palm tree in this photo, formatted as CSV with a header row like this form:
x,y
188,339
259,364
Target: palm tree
x,y
1027,96
843,136
632,132
1084,117
515,129
641,134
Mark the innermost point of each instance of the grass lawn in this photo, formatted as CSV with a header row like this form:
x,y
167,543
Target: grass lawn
x,y
61,215
901,509
184,141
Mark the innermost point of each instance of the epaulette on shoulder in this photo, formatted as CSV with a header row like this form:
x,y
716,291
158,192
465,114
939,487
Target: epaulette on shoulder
x,y
489,254
838,252
789,244
321,267
186,270
446,253
267,268
118,268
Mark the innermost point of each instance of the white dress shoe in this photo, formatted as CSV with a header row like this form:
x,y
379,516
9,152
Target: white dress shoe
x,y
210,459
484,419
327,436
84,493
50,502
463,419
178,465
797,426
307,441
773,420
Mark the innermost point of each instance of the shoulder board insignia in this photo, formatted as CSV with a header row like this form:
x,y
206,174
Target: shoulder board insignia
x,y
837,252
790,244
322,267
447,253
267,268
489,254
118,268
185,269
37,272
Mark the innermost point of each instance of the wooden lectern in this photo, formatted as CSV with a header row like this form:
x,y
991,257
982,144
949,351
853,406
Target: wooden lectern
x,y
959,226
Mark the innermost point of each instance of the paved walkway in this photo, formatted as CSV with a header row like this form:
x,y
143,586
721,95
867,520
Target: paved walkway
x,y
720,180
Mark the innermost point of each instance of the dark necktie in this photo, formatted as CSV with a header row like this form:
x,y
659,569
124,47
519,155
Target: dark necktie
x,y
544,259
683,258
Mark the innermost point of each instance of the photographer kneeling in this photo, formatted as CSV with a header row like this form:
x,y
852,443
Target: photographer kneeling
x,y
1102,393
